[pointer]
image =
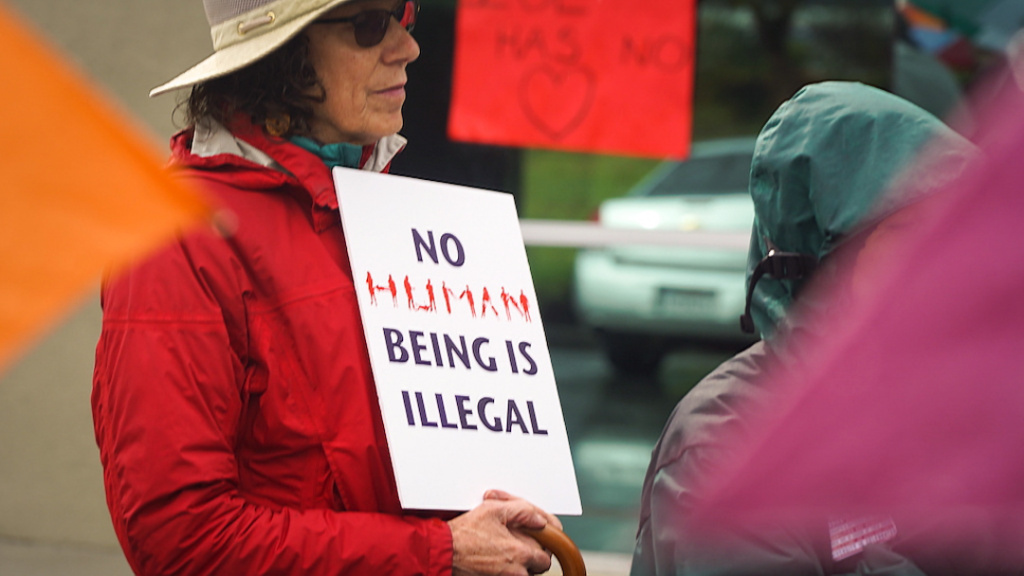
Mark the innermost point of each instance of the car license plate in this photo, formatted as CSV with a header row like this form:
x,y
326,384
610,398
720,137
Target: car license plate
x,y
678,301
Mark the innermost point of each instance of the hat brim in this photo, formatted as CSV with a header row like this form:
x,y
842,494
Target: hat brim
x,y
240,55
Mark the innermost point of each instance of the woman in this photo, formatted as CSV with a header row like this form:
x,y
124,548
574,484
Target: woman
x,y
233,401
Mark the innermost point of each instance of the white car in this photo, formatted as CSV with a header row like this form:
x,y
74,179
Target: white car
x,y
643,300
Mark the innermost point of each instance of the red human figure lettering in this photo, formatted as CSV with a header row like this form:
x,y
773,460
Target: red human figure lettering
x,y
408,294
394,290
432,303
374,288
468,295
369,284
448,293
509,303
524,304
485,302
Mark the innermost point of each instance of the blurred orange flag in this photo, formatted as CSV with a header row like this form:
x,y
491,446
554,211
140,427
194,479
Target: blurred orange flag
x,y
83,190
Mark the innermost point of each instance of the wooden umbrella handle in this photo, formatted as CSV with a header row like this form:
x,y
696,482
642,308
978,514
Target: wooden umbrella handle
x,y
562,547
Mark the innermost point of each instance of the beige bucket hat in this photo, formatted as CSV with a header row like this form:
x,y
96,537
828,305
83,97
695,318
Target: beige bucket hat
x,y
244,31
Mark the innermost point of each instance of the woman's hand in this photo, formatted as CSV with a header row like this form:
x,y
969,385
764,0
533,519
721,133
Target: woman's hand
x,y
486,542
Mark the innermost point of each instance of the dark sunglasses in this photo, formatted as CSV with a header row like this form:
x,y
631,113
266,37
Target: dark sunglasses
x,y
372,25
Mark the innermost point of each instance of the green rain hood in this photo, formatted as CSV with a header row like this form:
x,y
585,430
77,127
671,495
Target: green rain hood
x,y
832,160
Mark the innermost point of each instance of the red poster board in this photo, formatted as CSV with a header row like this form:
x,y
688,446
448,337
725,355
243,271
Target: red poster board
x,y
607,76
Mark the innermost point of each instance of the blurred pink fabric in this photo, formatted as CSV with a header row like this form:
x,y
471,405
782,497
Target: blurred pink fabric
x,y
910,403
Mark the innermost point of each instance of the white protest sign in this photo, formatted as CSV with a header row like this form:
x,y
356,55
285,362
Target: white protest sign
x,y
459,355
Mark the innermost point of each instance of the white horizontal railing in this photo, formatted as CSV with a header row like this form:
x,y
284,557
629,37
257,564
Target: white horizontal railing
x,y
576,234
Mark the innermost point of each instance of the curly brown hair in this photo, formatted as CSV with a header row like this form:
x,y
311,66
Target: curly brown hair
x,y
280,87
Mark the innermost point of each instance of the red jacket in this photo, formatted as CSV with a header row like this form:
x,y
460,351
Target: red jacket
x,y
233,401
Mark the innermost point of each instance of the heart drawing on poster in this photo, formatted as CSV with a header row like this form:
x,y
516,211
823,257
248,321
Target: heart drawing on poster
x,y
556,100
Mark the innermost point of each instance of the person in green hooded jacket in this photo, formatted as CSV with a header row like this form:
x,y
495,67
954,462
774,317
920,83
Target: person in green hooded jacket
x,y
829,167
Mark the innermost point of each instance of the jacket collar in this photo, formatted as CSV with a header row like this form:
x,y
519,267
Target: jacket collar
x,y
258,161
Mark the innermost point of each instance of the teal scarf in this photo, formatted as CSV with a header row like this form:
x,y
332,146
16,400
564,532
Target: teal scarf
x,y
339,154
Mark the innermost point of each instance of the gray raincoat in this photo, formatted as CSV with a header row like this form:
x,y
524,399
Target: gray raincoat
x,y
827,164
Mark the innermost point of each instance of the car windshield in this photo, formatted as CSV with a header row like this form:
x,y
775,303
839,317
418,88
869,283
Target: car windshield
x,y
706,175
